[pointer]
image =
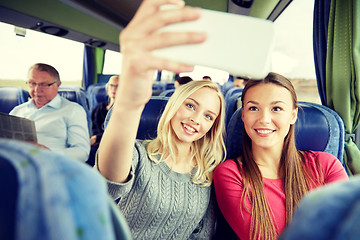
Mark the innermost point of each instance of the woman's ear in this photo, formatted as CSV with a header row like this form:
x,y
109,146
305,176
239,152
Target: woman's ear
x,y
294,115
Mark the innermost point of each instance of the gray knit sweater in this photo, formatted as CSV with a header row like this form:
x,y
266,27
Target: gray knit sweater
x,y
160,204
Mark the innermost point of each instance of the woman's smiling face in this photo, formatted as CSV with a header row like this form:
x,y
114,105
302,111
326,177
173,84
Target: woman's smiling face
x,y
196,115
267,114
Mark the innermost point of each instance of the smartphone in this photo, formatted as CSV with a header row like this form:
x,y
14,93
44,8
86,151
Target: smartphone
x,y
240,45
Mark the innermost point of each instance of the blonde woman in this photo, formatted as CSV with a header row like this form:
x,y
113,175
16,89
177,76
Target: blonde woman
x,y
163,186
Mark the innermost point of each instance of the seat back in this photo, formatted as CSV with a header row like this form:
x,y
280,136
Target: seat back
x,y
96,93
149,118
11,96
159,86
227,86
331,212
231,99
318,128
167,93
169,86
48,196
78,95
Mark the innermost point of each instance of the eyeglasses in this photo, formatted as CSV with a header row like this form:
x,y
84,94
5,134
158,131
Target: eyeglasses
x,y
40,85
113,86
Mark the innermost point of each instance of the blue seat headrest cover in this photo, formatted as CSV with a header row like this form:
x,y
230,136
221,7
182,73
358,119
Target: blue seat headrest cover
x,y
149,118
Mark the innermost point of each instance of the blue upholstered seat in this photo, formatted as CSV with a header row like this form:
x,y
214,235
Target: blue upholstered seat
x,y
159,86
11,96
46,195
96,93
149,118
78,95
318,128
169,85
231,99
167,93
331,212
227,86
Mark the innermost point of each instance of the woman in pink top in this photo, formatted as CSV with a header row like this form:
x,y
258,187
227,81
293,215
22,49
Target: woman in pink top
x,y
258,192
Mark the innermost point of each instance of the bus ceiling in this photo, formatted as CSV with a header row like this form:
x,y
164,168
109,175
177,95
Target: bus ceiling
x,y
99,22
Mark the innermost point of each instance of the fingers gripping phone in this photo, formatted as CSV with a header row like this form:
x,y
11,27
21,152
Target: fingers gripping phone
x,y
240,45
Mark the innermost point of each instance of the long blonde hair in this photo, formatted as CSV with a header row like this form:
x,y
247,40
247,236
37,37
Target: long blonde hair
x,y
297,179
208,151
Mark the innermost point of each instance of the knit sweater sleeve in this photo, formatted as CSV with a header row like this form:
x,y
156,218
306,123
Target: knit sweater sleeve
x,y
117,190
205,228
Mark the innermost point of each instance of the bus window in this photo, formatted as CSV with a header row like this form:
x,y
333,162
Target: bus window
x,y
293,51
112,62
216,75
18,53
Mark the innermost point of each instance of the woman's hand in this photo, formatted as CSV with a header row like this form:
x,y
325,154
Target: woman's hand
x,y
93,141
141,37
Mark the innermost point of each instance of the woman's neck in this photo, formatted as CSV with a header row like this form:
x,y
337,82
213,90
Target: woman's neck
x,y
111,103
184,161
268,161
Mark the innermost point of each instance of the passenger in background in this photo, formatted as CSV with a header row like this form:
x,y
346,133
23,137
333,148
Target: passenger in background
x,y
208,78
61,125
98,116
99,113
240,82
182,80
259,191
163,186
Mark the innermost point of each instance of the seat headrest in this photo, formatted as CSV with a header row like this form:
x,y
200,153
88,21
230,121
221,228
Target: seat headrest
x,y
318,128
11,96
68,94
231,100
78,95
96,94
149,118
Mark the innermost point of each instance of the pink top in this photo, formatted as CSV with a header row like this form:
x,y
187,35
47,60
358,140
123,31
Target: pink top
x,y
229,187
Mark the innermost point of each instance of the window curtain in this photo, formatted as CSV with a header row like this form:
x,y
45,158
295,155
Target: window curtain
x,y
340,83
93,64
320,32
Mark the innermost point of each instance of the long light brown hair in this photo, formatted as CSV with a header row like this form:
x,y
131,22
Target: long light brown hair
x,y
208,151
297,179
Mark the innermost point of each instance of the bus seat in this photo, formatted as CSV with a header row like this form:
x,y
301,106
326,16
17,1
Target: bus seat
x,y
231,99
45,195
318,128
149,119
78,95
167,93
8,199
158,86
11,96
169,86
331,212
104,78
227,86
96,93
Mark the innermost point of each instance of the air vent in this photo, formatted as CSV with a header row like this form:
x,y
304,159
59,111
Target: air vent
x,y
56,31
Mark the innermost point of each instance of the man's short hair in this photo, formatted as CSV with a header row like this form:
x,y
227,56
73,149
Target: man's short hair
x,y
46,68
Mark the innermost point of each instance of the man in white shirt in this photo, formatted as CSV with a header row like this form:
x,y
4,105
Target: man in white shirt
x,y
61,125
